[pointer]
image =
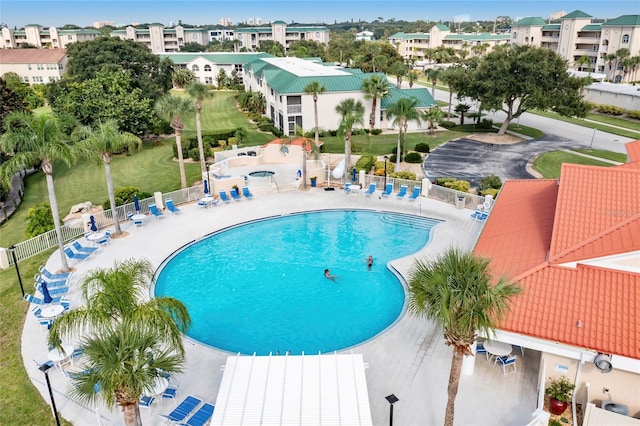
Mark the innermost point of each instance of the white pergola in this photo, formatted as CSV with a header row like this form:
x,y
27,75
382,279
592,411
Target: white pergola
x,y
284,390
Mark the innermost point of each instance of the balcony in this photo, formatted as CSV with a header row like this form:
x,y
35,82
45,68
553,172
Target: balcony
x,y
294,109
588,40
550,39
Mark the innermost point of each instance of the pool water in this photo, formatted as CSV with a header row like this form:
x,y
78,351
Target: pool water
x,y
260,287
262,173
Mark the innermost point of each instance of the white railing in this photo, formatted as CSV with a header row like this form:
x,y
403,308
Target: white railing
x,y
75,228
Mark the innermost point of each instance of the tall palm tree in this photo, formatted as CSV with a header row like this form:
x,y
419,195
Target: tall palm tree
x,y
433,74
351,113
307,145
459,293
403,111
315,88
199,92
433,115
101,143
584,61
412,77
399,69
462,109
37,141
173,108
374,88
128,340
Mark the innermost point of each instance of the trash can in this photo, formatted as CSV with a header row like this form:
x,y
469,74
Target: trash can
x,y
460,202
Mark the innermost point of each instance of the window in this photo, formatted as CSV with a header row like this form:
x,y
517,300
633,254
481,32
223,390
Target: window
x,y
317,35
60,66
195,68
25,79
625,38
29,67
526,39
207,68
40,67
69,37
194,37
208,80
514,36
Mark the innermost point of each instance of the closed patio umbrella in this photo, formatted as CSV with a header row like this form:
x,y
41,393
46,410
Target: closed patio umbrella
x,y
136,203
94,228
46,297
206,187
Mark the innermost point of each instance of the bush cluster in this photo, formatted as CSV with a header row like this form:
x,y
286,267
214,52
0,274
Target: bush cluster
x,y
447,124
633,113
376,132
459,185
422,147
379,167
125,195
413,157
485,123
39,220
610,109
365,162
403,175
209,141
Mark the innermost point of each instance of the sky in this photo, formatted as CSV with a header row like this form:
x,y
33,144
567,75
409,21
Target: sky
x,y
17,13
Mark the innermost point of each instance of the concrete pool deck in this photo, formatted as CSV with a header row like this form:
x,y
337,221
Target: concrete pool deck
x,y
409,359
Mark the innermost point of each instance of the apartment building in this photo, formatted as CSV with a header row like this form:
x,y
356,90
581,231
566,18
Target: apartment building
x,y
34,66
414,45
221,35
160,39
37,36
576,35
251,37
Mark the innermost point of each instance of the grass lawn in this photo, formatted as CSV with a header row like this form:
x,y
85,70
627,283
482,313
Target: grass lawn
x,y
627,132
549,164
609,155
385,143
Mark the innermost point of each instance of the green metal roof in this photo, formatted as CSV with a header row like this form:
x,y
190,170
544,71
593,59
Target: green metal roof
x,y
83,31
142,31
442,27
624,20
576,14
592,27
425,100
254,30
279,22
194,30
477,37
530,21
410,36
303,29
217,58
552,27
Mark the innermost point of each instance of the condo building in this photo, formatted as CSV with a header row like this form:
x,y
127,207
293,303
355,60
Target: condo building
x,y
37,36
160,39
34,66
251,37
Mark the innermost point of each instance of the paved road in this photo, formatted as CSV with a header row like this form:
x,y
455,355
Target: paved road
x,y
472,160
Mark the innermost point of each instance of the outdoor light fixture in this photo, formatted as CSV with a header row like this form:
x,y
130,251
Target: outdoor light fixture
x,y
12,249
392,400
385,175
45,369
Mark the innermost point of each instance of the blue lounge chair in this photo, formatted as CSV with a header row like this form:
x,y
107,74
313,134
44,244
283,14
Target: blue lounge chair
x,y
171,207
224,197
202,416
38,301
60,291
372,188
246,193
82,249
403,192
479,215
388,190
154,211
415,194
183,409
53,277
234,194
51,283
73,255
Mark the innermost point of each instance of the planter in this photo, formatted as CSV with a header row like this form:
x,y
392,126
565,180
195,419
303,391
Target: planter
x,y
557,407
313,182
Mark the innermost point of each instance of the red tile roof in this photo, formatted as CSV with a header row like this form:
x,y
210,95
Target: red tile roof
x,y
297,141
590,213
633,150
32,56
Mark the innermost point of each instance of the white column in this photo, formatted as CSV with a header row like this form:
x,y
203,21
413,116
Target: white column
x,y
158,199
469,362
426,186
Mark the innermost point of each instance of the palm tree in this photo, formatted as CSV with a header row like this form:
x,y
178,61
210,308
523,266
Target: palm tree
x,y
462,110
582,61
398,69
403,111
458,292
307,145
314,88
102,143
374,88
128,340
37,141
172,109
351,113
412,77
433,115
199,92
433,74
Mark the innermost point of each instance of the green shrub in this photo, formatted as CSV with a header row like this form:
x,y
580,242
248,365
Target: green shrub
x,y
233,141
333,133
459,185
357,148
379,167
443,181
125,195
485,123
610,109
222,143
265,127
376,132
447,124
39,220
365,162
413,157
490,191
161,127
422,147
277,132
403,175
194,154
590,105
393,158
491,181
633,113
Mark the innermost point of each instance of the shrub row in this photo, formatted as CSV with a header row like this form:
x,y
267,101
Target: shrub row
x,y
125,195
614,110
365,162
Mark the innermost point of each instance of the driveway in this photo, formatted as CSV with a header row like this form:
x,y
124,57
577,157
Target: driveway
x,y
471,160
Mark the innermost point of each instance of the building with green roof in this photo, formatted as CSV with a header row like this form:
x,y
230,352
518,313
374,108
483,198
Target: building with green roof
x,y
160,39
36,36
250,38
282,82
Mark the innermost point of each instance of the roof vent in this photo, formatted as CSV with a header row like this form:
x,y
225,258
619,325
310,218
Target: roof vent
x,y
603,363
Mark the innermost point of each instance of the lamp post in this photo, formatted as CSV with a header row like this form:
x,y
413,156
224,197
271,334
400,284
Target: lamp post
x,y
385,171
45,369
392,400
12,249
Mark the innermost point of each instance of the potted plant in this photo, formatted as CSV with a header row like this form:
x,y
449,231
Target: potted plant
x,y
559,392
236,190
313,181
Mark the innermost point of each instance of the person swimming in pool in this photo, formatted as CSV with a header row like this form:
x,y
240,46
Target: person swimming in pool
x,y
328,275
370,261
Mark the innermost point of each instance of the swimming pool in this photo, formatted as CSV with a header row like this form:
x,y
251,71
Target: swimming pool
x,y
262,173
260,287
